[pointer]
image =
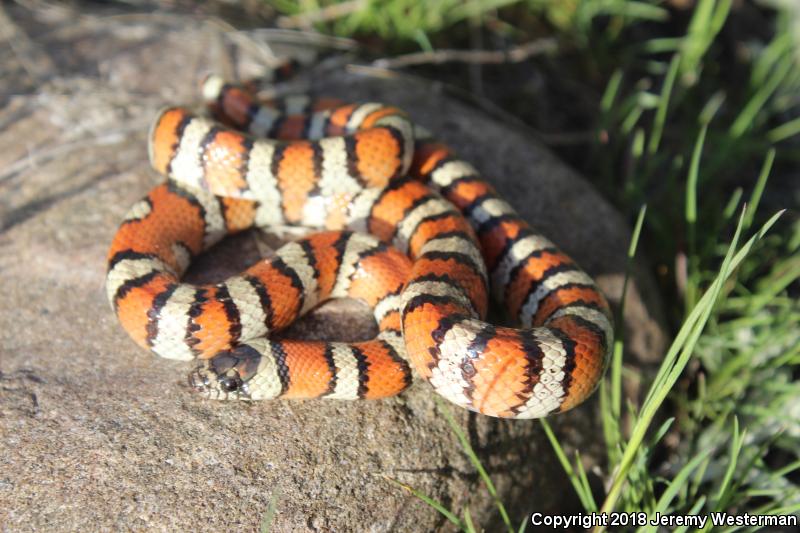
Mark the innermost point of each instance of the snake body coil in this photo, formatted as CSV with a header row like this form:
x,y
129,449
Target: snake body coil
x,y
408,228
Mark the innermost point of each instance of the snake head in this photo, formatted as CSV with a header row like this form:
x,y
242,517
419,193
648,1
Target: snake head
x,y
225,376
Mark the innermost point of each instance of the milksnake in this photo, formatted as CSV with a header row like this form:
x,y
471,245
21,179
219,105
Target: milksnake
x,y
404,225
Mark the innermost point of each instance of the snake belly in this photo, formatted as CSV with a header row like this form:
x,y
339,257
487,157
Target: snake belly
x,y
363,168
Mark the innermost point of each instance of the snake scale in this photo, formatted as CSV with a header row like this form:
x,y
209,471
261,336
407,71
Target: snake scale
x,y
401,223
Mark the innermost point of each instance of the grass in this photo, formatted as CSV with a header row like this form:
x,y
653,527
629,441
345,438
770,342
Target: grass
x,y
464,524
694,113
269,515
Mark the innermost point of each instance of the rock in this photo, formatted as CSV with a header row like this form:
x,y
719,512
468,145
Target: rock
x,y
95,434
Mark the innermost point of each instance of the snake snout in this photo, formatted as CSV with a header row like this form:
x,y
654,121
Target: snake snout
x,y
206,381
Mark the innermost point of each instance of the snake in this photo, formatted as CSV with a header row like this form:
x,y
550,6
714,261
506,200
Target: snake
x,y
396,219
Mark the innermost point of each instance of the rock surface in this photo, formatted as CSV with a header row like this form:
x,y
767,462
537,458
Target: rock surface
x,y
95,434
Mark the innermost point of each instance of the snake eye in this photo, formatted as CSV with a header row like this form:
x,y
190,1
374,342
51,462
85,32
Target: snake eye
x,y
230,384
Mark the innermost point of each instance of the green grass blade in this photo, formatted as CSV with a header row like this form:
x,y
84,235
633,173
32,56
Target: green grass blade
x,y
611,429
587,500
660,45
635,10
269,514
663,105
784,131
694,510
677,356
741,480
449,515
473,458
733,204
712,106
707,20
612,89
637,146
469,527
422,40
720,501
691,179
468,10
758,190
631,119
584,481
690,215
676,359
774,51
748,113
768,292
616,361
661,431
677,483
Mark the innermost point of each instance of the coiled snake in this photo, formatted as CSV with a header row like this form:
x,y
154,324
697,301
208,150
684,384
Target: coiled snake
x,y
406,226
